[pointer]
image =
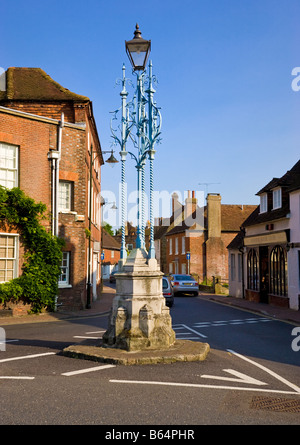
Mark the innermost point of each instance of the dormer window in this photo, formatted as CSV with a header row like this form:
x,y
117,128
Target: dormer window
x,y
263,203
277,198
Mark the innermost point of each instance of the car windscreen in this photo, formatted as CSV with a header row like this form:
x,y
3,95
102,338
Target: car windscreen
x,y
183,278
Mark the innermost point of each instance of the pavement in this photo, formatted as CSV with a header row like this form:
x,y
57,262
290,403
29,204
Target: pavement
x,y
103,305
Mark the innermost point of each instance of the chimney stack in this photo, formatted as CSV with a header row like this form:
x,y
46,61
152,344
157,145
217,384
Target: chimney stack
x,y
175,203
191,203
214,215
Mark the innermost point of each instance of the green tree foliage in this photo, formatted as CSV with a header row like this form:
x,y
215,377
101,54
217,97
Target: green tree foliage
x,y
108,228
38,283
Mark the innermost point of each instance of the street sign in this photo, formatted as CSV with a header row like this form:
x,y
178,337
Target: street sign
x,y
102,256
188,256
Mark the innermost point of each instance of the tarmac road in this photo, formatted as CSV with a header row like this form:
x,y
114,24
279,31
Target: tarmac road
x,y
251,366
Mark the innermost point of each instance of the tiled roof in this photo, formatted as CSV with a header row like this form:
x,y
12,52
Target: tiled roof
x,y
109,242
237,241
35,84
258,218
232,218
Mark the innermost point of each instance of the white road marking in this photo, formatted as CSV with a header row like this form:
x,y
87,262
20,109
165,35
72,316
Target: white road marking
x,y
207,324
188,338
82,371
96,332
278,377
241,378
26,356
84,336
196,385
195,332
16,377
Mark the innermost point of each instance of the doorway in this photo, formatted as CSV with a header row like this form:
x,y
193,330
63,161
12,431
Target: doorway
x,y
264,274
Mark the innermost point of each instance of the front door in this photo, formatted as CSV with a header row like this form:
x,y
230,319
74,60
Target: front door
x,y
95,270
264,274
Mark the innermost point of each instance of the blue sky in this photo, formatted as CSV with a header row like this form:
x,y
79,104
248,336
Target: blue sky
x,y
230,116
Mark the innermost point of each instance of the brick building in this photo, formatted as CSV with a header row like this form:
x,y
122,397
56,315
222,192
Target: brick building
x,y
204,233
46,133
111,250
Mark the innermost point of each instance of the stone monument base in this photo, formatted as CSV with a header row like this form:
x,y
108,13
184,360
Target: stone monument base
x,y
180,351
139,317
140,326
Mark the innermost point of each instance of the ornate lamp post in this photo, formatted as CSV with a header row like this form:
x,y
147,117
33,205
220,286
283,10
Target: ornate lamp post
x,y
139,318
142,115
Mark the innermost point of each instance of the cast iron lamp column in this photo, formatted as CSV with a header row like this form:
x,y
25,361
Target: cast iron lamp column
x,y
147,125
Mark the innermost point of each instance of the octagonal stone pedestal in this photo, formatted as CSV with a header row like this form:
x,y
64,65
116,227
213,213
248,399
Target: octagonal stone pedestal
x,y
139,318
140,326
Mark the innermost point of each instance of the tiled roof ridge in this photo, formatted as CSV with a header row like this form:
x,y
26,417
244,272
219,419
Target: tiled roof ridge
x,y
228,220
108,241
10,85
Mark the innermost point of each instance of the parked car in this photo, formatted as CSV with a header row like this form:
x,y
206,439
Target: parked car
x,y
167,291
184,284
112,278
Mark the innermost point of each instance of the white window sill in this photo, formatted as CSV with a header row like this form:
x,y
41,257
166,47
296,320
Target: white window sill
x,y
64,286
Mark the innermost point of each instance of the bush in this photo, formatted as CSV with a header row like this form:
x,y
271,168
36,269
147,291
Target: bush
x,y
38,283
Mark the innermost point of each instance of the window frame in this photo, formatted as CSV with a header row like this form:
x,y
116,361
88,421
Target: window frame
x,y
176,246
14,169
183,245
15,258
277,198
278,271
240,267
67,282
263,206
232,267
62,208
252,270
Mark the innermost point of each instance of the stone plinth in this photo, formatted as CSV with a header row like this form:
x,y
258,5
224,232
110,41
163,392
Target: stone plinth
x,y
139,318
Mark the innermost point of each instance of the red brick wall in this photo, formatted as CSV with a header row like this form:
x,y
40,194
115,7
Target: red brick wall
x,y
35,138
46,109
208,257
108,258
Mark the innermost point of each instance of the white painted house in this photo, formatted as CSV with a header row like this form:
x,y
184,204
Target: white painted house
x,y
264,259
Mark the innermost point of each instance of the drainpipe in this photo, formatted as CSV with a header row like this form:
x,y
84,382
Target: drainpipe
x,y
54,156
59,138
